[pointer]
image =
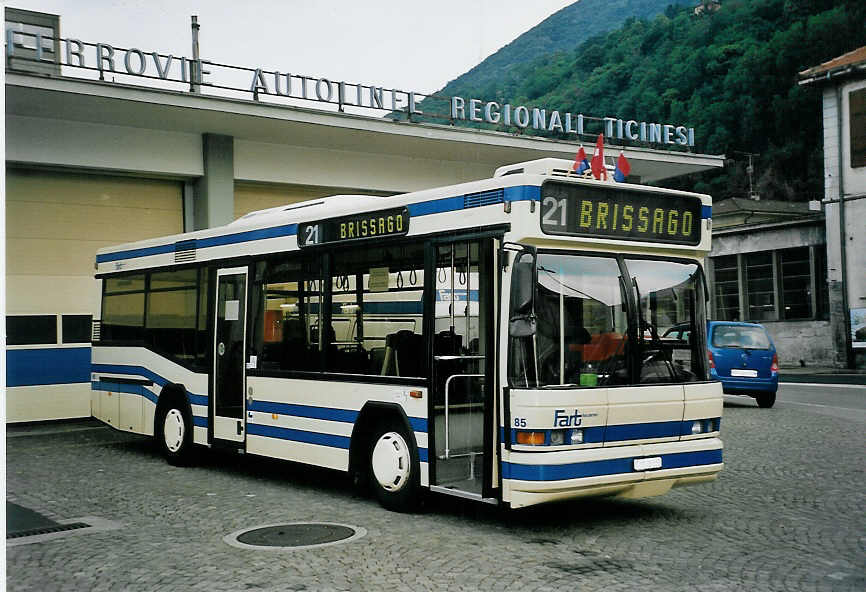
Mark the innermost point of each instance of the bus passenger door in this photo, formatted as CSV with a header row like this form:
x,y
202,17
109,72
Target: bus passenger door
x,y
229,371
462,411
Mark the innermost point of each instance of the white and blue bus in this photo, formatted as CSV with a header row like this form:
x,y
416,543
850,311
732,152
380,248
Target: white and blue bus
x,y
499,340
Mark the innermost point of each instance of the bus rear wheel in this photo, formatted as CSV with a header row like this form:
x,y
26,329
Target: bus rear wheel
x,y
173,433
394,468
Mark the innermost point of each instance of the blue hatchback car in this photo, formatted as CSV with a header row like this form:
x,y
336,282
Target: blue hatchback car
x,y
743,357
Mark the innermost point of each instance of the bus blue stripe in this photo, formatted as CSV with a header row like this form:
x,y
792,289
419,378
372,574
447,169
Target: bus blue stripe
x,y
631,431
328,413
641,431
706,211
148,374
418,424
342,442
597,468
435,206
256,429
134,253
201,243
523,193
56,365
138,389
251,235
119,387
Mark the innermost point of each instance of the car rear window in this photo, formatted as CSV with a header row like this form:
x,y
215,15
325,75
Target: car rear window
x,y
738,336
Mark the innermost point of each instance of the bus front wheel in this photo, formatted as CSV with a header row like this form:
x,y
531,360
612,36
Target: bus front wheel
x,y
173,433
394,468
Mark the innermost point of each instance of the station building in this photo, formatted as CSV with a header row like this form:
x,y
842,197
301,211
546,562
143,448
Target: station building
x,y
769,265
107,145
798,268
842,82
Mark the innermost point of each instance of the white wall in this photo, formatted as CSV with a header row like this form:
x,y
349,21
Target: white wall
x,y
58,142
854,187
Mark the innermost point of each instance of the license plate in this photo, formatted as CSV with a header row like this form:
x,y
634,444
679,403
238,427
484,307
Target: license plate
x,y
749,373
645,464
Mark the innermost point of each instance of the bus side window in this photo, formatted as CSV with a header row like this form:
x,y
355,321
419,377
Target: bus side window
x,y
377,311
287,303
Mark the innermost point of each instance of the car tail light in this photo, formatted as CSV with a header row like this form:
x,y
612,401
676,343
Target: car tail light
x,y
774,367
710,359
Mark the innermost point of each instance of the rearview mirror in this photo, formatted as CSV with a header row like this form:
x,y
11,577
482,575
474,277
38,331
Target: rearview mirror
x,y
523,285
522,326
522,322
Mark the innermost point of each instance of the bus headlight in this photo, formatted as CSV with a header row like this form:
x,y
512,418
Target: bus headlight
x,y
557,437
576,436
696,428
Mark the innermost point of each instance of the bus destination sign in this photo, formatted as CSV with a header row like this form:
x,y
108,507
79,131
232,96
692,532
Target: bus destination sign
x,y
364,226
617,213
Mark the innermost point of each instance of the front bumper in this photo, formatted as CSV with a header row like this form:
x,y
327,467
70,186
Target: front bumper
x,y
534,477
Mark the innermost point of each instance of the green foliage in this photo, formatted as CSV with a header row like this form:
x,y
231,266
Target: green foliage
x,y
730,74
501,75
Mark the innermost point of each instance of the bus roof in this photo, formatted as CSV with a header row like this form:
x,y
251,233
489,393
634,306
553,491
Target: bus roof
x,y
283,220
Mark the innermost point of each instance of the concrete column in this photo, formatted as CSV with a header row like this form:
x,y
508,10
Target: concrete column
x,y
214,200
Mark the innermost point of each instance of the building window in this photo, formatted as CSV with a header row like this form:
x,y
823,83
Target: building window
x,y
796,278
822,290
760,295
76,328
727,288
31,329
783,285
857,127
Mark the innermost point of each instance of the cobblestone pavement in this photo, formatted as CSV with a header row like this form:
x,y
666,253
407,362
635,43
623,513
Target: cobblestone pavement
x,y
786,514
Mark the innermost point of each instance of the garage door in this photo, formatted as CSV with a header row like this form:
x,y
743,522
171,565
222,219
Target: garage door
x,y
55,222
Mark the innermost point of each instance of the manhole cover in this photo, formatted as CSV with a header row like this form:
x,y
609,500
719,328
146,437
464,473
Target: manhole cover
x,y
294,535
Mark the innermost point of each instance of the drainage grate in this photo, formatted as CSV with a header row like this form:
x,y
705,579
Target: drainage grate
x,y
297,535
46,530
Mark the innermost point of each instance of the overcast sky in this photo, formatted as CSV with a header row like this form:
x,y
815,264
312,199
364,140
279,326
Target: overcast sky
x,y
403,45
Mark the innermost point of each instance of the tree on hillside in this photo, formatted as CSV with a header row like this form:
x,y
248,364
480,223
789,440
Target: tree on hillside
x,y
729,73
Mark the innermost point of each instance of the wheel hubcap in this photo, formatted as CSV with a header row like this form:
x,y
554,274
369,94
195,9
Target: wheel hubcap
x,y
173,430
391,461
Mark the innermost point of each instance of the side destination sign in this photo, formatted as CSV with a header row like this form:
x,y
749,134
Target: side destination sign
x,y
624,214
356,227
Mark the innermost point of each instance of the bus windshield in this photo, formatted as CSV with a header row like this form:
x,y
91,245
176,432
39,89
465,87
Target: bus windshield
x,y
606,320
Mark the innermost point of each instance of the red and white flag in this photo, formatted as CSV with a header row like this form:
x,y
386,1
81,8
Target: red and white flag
x,y
597,162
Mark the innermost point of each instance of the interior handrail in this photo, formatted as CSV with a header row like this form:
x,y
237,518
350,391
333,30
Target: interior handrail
x,y
447,388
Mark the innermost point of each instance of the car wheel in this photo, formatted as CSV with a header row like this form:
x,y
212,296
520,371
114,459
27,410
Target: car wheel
x,y
394,468
766,400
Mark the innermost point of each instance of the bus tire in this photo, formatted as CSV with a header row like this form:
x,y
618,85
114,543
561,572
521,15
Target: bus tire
x,y
173,429
394,468
765,400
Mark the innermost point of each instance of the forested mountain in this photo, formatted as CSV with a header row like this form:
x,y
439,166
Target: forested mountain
x,y
729,73
561,31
